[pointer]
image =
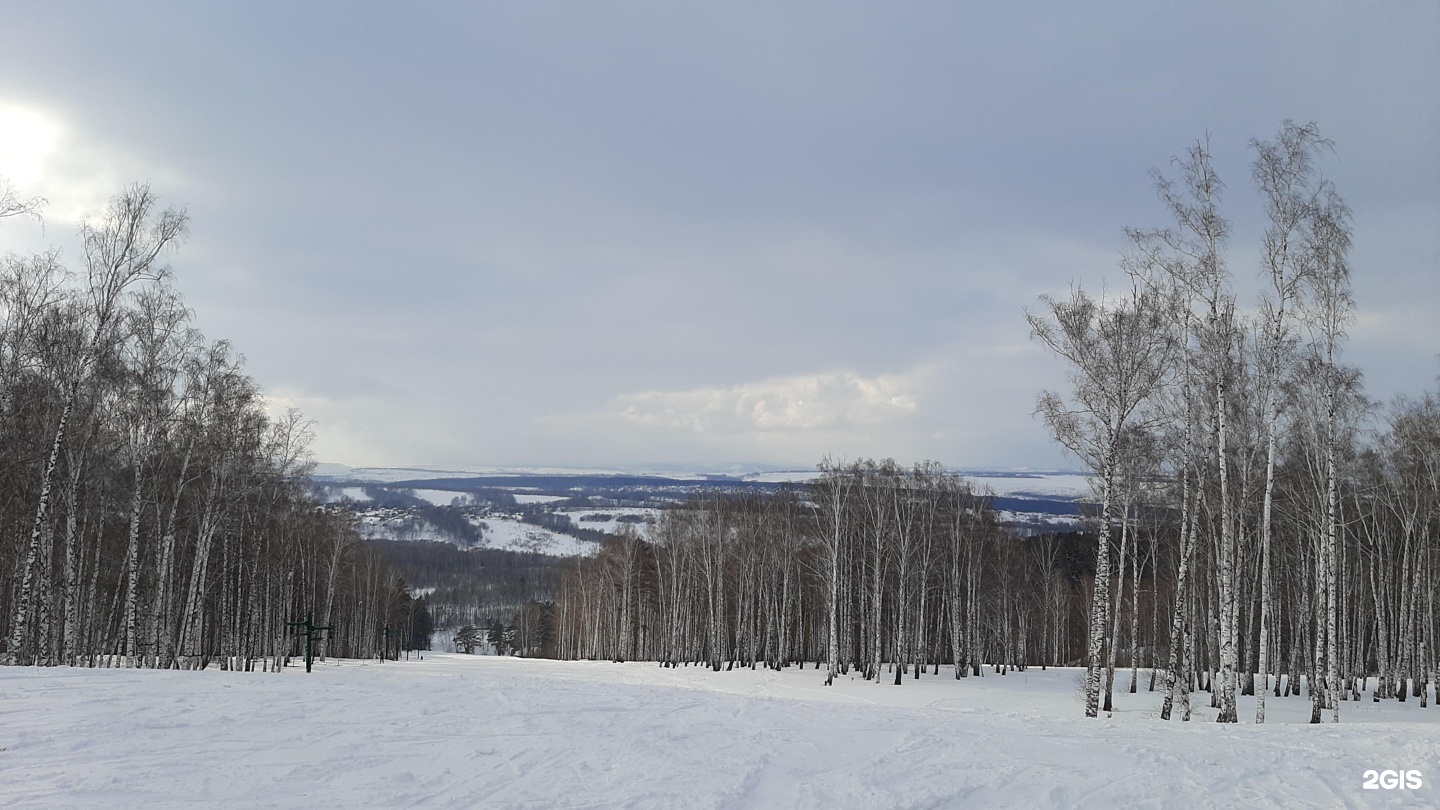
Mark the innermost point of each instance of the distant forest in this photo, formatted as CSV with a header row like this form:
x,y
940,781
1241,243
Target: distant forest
x,y
477,586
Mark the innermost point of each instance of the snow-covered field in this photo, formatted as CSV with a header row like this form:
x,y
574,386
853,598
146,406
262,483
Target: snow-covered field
x,y
333,495
1035,485
586,518
381,475
1045,483
329,471
513,535
497,532
1033,522
465,731
443,497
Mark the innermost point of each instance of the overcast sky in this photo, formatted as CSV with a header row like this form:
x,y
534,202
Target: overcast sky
x,y
603,234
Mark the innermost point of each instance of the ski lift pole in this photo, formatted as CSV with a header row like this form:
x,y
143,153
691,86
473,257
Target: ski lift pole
x,y
384,634
311,636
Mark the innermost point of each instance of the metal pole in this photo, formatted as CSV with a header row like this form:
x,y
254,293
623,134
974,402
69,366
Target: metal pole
x,y
311,636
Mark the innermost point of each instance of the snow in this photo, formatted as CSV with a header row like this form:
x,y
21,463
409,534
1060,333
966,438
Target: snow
x,y
1035,485
382,475
471,731
337,494
1042,484
522,498
401,527
330,469
613,524
1005,483
1040,522
784,476
513,535
497,531
442,497
389,475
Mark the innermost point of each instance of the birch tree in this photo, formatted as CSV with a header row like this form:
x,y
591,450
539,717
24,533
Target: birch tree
x,y
121,248
158,517
1284,171
1119,355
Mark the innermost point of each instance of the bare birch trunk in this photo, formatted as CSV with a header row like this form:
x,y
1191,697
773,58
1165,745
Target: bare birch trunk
x,y
132,573
1228,652
1100,599
22,630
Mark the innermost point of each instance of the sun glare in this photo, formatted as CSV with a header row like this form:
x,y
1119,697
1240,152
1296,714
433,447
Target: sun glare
x,y
27,139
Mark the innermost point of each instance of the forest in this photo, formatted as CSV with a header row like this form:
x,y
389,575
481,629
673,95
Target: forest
x,y
472,585
1259,526
153,513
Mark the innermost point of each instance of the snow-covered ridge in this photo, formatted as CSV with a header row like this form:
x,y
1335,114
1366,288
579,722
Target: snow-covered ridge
x,y
495,531
1032,501
330,471
513,535
1065,485
1005,483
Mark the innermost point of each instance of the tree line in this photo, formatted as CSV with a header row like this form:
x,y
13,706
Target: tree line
x,y
151,513
1259,527
1306,529
875,568
476,586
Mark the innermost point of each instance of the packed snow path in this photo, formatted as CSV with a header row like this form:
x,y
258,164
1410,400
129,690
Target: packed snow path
x,y
468,731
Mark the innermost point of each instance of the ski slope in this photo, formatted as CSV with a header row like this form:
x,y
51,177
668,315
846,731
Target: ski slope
x,y
468,731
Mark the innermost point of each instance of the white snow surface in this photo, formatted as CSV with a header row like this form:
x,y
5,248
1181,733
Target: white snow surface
x,y
496,532
381,475
612,524
341,493
1041,485
783,476
388,475
513,535
457,731
442,497
1040,521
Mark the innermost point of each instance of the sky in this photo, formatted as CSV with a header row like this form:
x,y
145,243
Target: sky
x,y
628,234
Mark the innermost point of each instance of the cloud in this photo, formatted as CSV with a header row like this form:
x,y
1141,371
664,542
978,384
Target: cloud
x,y
826,401
607,238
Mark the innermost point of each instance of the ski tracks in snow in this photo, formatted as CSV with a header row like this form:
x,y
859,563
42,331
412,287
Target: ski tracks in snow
x,y
467,731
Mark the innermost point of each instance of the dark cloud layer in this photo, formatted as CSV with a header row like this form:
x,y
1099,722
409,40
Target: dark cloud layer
x,y
477,234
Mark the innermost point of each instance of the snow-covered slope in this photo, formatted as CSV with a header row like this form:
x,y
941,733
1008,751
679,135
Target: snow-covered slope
x,y
610,520
496,531
461,732
513,535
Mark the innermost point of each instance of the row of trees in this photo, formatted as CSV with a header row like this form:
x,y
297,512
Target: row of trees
x,y
151,513
1304,550
889,570
476,586
530,633
1255,529
878,568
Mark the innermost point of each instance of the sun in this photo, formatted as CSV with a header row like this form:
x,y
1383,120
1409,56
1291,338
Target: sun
x,y
27,139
